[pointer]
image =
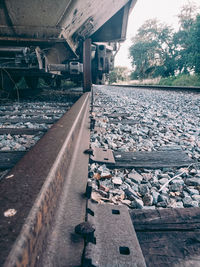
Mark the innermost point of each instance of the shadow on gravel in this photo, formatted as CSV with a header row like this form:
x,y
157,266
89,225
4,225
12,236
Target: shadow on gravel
x,y
42,94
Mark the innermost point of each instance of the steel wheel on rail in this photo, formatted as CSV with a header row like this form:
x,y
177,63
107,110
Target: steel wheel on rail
x,y
87,76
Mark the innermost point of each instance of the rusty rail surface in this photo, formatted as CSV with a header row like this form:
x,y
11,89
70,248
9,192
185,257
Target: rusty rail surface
x,y
160,87
58,159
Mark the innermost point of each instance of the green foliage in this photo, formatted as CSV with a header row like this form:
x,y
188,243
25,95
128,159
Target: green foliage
x,y
134,76
159,51
167,81
195,45
112,77
151,51
144,54
182,38
21,84
181,80
187,16
118,74
68,84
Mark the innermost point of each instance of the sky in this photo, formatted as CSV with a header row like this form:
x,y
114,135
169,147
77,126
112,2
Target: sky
x,y
164,10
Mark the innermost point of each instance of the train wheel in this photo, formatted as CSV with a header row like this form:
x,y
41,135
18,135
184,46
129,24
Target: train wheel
x,y
31,81
87,79
7,82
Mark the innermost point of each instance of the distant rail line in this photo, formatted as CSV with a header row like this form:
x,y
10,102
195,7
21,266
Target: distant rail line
x,y
160,87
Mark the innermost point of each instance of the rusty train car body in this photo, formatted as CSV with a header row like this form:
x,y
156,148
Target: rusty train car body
x,y
44,38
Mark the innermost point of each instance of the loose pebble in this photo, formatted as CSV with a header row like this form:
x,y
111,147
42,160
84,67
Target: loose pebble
x,y
146,120
10,213
116,181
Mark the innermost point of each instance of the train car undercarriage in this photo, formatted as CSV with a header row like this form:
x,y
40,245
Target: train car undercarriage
x,y
77,44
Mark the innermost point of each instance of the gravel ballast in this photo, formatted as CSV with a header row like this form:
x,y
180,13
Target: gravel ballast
x,y
36,114
32,111
128,119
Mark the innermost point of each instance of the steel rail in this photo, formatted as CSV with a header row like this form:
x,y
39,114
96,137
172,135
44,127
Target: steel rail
x,y
57,160
160,87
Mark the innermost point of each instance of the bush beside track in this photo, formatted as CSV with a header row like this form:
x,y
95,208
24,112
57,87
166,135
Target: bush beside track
x,y
181,80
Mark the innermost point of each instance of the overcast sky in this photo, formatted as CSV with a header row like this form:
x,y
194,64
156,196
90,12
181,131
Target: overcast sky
x,y
164,10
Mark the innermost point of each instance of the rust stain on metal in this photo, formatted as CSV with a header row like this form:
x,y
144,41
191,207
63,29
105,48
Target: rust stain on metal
x,y
31,240
25,259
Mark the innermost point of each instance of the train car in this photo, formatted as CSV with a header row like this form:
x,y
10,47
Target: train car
x,y
55,40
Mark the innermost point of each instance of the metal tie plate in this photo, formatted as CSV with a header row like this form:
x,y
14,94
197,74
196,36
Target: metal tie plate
x,y
102,155
116,243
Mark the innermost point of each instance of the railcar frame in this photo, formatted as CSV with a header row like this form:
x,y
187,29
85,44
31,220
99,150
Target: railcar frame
x,y
46,38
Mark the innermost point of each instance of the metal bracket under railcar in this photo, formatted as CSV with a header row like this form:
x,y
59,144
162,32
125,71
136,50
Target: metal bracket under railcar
x,y
45,39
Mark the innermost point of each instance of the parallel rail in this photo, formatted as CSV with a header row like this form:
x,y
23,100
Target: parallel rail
x,y
160,87
56,171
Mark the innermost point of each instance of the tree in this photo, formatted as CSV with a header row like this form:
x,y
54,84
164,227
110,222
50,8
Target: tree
x,y
143,59
182,38
194,48
187,16
119,74
112,77
152,51
159,51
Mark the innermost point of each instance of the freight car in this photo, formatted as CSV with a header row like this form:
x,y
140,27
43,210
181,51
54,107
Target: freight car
x,y
65,39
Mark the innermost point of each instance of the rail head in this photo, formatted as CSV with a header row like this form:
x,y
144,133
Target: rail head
x,y
48,165
159,87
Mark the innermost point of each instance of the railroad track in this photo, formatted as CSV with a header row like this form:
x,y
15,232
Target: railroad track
x,y
17,187
22,124
146,157
62,222
160,87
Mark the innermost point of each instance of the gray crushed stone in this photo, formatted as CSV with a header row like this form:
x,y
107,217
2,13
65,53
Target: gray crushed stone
x,y
146,120
26,110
